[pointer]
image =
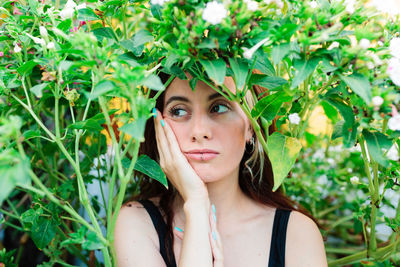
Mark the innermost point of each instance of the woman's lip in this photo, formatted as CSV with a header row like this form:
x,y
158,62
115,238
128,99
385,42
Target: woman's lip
x,y
201,156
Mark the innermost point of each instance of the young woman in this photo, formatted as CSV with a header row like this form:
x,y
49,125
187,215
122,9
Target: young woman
x,y
219,209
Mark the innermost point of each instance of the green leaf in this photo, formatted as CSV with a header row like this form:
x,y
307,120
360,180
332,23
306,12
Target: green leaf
x,y
101,88
92,242
269,105
240,70
330,111
30,134
215,69
282,152
193,83
37,89
129,59
156,10
85,14
304,68
376,142
149,167
13,170
337,130
269,82
137,42
27,67
153,82
135,129
43,231
360,85
279,52
92,125
263,64
104,32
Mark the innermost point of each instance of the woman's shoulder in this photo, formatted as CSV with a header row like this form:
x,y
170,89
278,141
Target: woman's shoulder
x,y
304,243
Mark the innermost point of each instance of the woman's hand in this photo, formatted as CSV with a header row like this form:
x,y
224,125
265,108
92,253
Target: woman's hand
x,y
174,163
215,240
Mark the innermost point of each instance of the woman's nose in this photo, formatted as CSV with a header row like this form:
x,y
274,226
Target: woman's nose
x,y
200,128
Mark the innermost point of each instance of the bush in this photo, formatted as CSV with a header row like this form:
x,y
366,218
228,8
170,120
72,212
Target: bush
x,y
74,100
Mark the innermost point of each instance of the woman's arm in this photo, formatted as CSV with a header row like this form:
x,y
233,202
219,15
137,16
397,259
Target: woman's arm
x,y
304,244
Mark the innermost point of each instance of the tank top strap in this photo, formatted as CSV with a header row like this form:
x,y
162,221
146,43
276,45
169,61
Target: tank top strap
x,y
278,240
161,228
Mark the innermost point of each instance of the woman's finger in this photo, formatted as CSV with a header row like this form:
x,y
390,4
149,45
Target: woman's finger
x,y
215,240
179,233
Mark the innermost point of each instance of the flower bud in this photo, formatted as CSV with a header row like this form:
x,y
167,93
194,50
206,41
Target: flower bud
x,y
43,31
354,180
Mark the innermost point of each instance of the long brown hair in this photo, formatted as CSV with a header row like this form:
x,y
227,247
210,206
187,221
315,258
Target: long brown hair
x,y
255,163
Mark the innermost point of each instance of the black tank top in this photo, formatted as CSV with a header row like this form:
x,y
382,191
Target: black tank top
x,y
278,240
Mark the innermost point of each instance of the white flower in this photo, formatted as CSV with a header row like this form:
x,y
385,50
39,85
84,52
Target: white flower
x,y
214,12
51,45
393,153
43,31
370,65
248,53
393,70
394,123
17,48
294,118
364,43
354,180
380,43
377,101
158,2
66,13
251,5
333,45
350,6
70,4
313,4
37,40
376,58
394,47
81,6
268,1
279,3
391,7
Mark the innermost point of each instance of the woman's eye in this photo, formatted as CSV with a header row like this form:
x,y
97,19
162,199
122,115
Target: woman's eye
x,y
177,112
220,108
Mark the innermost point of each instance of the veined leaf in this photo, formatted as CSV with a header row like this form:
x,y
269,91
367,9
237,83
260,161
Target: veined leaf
x,y
215,69
282,152
269,82
304,68
376,142
360,85
240,70
149,167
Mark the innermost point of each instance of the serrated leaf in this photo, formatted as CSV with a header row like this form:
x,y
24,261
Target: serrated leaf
x,y
360,85
282,152
215,69
150,167
269,106
43,231
263,64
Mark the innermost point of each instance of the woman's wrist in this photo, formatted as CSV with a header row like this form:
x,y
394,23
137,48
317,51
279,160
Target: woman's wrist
x,y
196,205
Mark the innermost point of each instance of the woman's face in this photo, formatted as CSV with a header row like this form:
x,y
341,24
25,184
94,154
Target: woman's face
x,y
205,120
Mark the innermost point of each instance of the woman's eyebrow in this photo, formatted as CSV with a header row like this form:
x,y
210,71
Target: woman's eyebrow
x,y
184,99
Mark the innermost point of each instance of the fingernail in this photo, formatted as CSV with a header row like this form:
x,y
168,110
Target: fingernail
x,y
162,123
154,111
214,212
178,229
214,235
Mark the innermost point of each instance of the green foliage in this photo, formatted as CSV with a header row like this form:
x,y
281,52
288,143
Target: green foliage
x,y
75,99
